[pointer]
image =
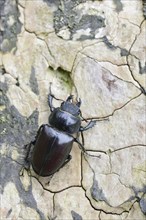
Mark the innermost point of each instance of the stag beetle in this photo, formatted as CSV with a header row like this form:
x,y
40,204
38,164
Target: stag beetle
x,y
53,143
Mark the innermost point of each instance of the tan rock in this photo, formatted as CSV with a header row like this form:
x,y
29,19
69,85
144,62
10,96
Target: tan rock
x,y
106,91
71,204
40,19
125,128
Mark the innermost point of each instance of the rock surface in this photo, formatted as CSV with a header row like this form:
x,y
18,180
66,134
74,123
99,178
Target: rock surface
x,y
94,50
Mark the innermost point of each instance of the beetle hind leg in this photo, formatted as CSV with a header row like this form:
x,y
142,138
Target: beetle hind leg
x,y
27,159
66,161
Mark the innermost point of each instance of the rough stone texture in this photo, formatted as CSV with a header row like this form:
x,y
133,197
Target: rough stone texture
x,y
10,24
94,50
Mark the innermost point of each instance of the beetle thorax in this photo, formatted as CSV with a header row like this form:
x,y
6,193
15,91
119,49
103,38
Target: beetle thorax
x,y
65,121
70,108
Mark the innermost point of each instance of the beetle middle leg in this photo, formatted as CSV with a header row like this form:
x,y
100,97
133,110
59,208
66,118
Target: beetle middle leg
x,y
66,161
81,145
29,149
27,160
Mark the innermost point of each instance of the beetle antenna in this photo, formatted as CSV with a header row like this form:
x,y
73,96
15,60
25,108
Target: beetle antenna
x,y
51,95
84,119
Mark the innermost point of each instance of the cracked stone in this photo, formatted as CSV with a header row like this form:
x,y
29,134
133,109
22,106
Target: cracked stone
x,y
40,19
102,52
80,206
105,216
121,72
121,30
137,59
132,12
43,198
114,134
111,92
123,34
10,25
131,164
60,51
102,188
135,213
22,3
97,55
12,207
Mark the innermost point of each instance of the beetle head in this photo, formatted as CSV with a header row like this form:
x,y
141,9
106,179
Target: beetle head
x,y
71,107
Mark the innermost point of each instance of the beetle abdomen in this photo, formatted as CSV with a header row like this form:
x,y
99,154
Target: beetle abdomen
x,y
51,150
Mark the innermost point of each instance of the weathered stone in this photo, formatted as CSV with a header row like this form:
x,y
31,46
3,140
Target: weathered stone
x,y
121,72
22,3
43,198
10,24
106,216
115,134
137,59
135,213
80,205
132,12
40,19
103,186
104,52
112,93
94,50
64,52
131,164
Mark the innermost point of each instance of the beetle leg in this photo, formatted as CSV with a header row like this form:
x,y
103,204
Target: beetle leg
x,y
81,146
69,98
82,136
88,126
27,160
50,99
67,160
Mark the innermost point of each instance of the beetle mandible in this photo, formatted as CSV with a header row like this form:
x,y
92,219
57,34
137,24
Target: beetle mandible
x,y
53,143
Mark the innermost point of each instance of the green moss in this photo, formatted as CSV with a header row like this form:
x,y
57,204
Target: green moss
x,y
64,77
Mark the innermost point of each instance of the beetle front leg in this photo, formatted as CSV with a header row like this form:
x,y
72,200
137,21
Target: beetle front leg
x,y
88,126
50,99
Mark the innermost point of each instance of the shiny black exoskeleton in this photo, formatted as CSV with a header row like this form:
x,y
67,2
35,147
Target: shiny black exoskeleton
x,y
54,141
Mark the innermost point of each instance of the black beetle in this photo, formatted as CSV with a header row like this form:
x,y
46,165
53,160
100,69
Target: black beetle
x,y
54,141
